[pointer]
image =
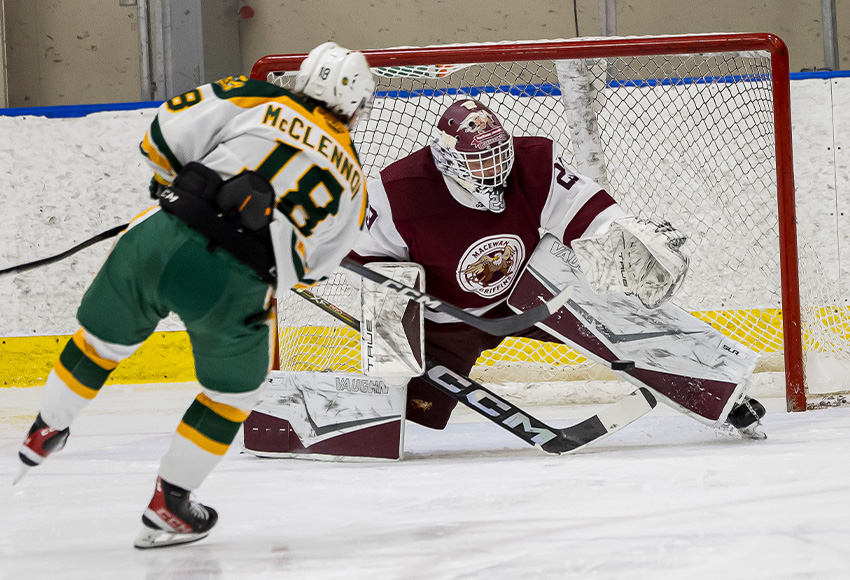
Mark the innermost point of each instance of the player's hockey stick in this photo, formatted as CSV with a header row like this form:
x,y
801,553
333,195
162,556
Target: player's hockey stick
x,y
81,246
495,326
506,414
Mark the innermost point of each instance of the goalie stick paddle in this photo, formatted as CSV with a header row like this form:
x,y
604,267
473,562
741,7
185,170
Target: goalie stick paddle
x,y
495,326
507,415
53,259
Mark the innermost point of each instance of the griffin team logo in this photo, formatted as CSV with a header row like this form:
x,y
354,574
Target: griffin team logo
x,y
487,131
490,265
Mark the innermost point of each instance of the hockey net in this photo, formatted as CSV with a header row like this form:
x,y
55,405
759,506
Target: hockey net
x,y
692,128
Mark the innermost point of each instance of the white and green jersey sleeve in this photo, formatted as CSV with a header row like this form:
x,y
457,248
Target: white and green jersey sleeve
x,y
239,124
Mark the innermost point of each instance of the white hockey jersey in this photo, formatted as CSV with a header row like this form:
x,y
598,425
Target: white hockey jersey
x,y
236,124
472,257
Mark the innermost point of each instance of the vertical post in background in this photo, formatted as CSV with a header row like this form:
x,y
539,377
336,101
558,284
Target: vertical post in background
x,y
184,46
608,17
174,37
830,35
276,352
145,85
608,27
4,89
166,65
157,88
174,52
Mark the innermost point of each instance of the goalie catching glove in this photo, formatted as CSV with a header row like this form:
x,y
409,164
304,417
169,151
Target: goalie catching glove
x,y
635,256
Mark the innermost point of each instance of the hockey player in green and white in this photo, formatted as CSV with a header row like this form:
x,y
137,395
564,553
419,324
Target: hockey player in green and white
x,y
259,188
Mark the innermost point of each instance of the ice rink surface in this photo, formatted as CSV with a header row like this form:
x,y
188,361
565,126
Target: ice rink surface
x,y
664,498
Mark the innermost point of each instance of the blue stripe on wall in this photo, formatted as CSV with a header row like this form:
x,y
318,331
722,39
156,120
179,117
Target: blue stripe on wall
x,y
76,110
821,74
539,90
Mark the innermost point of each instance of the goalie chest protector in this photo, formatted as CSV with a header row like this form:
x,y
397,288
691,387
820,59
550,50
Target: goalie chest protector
x,y
471,257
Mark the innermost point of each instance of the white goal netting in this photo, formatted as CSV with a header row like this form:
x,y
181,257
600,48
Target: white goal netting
x,y
689,136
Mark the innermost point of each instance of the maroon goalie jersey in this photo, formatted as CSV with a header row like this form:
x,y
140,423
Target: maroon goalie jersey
x,y
472,257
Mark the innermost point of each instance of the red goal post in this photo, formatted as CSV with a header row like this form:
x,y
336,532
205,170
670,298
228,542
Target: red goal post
x,y
665,113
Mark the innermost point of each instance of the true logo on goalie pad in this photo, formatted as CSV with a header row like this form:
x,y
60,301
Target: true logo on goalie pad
x,y
392,326
367,343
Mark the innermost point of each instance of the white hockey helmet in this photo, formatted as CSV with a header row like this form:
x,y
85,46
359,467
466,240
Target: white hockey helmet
x,y
473,149
339,78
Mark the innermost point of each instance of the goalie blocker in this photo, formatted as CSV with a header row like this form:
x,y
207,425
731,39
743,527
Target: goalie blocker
x,y
392,330
347,416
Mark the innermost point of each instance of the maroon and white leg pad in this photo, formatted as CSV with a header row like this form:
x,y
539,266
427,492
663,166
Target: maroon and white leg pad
x,y
328,416
683,360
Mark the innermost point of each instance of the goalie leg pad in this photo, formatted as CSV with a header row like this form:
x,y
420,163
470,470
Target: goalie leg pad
x,y
691,366
329,416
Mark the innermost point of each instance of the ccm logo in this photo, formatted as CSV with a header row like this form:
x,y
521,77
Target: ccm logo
x,y
502,412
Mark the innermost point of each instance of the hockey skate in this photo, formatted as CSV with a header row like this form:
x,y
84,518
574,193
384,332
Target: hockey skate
x,y
173,517
746,418
41,441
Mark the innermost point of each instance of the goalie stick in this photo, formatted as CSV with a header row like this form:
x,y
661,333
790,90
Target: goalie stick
x,y
495,326
506,414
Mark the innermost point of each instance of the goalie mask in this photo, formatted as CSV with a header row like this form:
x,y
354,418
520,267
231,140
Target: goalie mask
x,y
473,149
340,79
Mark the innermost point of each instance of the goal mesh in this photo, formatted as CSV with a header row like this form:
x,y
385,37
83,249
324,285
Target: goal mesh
x,y
688,133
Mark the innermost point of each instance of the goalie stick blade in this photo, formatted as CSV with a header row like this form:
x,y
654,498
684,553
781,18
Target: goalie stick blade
x,y
530,429
609,420
495,326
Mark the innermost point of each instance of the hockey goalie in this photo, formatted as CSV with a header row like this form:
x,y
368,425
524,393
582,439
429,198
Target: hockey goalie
x,y
500,222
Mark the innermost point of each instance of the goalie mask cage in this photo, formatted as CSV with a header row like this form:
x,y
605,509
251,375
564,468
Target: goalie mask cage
x,y
695,129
